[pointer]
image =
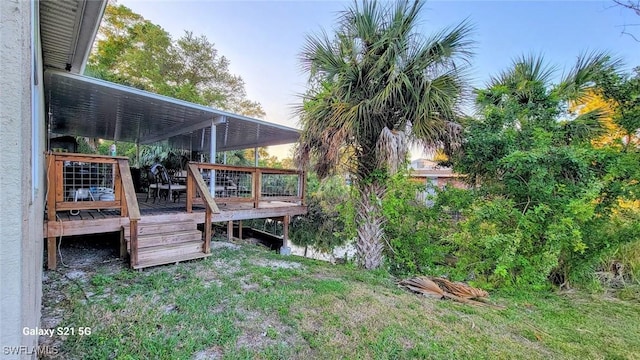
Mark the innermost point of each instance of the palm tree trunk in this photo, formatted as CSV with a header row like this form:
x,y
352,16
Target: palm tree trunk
x,y
369,221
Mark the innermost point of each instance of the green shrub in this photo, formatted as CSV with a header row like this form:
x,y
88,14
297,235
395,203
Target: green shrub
x,y
329,220
415,232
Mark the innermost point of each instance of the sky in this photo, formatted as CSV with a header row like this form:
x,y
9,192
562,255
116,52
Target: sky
x,y
263,39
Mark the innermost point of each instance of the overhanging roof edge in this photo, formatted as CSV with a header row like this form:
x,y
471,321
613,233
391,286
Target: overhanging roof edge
x,y
147,94
91,18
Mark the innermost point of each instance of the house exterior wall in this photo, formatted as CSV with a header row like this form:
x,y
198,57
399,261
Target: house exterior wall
x,y
453,181
22,184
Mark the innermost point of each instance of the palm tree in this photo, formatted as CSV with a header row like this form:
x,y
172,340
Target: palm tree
x,y
522,110
377,86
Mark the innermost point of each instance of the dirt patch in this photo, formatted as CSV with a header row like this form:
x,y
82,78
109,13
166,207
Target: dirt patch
x,y
209,354
224,245
279,264
79,258
259,331
81,252
225,267
247,285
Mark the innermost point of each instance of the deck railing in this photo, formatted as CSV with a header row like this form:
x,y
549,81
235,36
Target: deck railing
x,y
240,184
197,187
90,182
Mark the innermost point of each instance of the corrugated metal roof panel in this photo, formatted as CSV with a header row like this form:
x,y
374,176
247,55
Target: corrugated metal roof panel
x,y
67,31
85,106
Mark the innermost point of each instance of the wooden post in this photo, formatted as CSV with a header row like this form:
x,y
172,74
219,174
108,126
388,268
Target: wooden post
x,y
123,244
53,168
51,253
191,190
230,230
207,231
285,232
58,188
257,188
118,191
240,229
133,239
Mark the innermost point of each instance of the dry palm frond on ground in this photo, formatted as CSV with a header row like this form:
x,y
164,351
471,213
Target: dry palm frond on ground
x,y
443,288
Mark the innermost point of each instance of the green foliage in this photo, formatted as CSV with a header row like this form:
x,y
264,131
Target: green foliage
x,y
547,198
378,72
84,147
376,84
133,51
417,233
329,221
170,158
250,303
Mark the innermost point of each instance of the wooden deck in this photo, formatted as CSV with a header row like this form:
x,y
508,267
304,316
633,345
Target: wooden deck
x,y
72,209
110,220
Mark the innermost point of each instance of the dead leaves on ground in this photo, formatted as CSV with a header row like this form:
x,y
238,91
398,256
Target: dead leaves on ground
x,y
445,289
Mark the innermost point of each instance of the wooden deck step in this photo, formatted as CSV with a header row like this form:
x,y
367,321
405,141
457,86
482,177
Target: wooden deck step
x,y
170,260
166,242
170,250
148,228
150,240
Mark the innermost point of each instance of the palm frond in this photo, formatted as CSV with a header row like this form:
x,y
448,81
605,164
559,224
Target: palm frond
x,y
584,127
386,85
391,149
584,73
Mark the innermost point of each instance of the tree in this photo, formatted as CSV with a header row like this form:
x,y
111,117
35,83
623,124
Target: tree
x,y
633,5
133,51
546,190
612,133
379,84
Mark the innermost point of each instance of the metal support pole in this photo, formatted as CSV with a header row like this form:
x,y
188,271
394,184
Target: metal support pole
x,y
212,153
137,154
212,159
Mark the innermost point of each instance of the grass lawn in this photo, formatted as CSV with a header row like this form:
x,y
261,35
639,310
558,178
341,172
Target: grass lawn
x,y
247,303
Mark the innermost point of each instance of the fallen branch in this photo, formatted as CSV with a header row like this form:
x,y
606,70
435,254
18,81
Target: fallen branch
x,y
443,288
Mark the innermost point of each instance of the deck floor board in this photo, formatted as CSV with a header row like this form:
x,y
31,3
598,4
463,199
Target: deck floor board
x,y
107,220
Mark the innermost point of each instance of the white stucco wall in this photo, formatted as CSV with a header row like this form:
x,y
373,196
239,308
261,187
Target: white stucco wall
x,y
21,196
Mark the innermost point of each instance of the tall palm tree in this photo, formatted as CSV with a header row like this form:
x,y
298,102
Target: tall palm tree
x,y
377,86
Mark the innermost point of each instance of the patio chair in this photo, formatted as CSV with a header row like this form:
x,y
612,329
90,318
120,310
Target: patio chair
x,y
172,188
154,183
225,187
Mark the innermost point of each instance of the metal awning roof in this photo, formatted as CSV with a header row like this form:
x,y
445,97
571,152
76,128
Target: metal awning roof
x,y
67,30
85,106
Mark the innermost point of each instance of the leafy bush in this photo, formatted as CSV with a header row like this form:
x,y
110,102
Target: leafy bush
x,y
547,205
329,221
415,232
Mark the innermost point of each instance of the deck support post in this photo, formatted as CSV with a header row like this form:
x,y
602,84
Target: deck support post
x,y
240,229
53,168
51,253
230,230
133,242
257,186
285,249
123,244
207,231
